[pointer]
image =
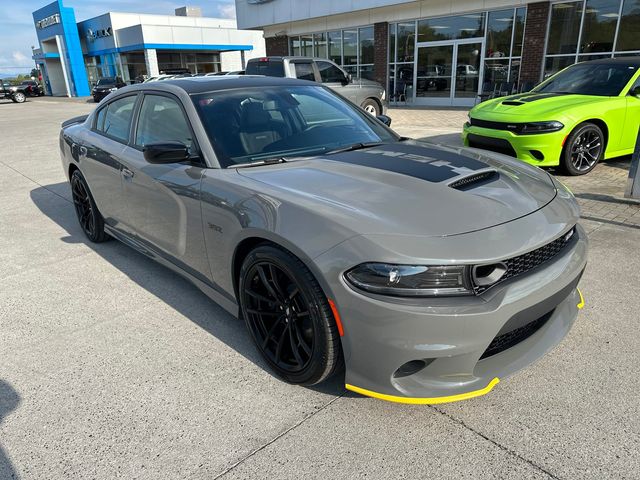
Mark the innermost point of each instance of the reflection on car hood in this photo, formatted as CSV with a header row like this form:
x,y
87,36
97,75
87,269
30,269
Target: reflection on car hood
x,y
410,188
532,105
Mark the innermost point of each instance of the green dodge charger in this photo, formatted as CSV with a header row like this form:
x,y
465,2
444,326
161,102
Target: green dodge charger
x,y
587,112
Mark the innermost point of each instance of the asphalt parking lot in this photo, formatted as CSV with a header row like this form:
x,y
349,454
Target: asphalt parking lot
x,y
113,367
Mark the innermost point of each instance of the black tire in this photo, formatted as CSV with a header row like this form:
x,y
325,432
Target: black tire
x,y
371,107
288,316
19,97
89,217
583,149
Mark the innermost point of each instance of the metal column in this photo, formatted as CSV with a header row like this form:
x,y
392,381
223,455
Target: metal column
x,y
633,184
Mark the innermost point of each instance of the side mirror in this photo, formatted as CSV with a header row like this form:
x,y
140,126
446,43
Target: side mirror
x,y
635,92
384,119
167,152
348,78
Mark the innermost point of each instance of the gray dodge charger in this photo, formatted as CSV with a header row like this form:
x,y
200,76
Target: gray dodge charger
x,y
425,273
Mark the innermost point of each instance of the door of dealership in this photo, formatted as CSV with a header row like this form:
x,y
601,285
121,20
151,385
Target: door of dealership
x,y
448,73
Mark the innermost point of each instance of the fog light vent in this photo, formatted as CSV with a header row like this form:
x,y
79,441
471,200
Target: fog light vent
x,y
485,275
411,368
537,154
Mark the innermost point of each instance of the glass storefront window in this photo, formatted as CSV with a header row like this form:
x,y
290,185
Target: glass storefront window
x,y
555,64
366,43
294,46
629,37
451,28
306,46
366,71
599,27
320,45
496,71
335,46
350,47
518,34
392,42
406,42
564,28
499,33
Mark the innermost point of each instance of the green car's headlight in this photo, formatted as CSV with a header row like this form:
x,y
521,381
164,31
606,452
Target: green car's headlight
x,y
539,127
411,280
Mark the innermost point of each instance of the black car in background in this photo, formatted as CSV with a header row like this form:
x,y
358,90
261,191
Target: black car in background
x,y
105,86
15,93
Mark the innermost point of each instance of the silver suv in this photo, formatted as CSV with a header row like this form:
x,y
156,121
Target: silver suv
x,y
369,95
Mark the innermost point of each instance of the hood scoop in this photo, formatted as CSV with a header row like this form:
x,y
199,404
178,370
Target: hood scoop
x,y
470,181
515,103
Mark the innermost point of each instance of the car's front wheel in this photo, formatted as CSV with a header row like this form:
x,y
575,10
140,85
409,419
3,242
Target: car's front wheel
x,y
371,107
288,316
19,97
583,149
89,217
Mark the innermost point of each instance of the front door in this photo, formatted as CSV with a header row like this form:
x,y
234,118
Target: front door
x,y
448,73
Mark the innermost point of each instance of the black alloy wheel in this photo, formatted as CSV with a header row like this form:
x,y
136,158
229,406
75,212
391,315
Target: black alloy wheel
x,y
89,217
584,149
288,316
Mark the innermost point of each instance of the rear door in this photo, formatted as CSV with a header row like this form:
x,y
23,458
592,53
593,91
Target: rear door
x,y
163,201
101,153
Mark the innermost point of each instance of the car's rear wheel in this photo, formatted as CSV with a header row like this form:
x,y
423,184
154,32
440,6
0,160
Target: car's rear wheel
x,y
371,107
583,149
89,217
19,97
288,316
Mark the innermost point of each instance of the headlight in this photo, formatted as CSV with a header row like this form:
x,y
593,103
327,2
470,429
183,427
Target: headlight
x,y
411,280
113,89
13,89
384,95
539,127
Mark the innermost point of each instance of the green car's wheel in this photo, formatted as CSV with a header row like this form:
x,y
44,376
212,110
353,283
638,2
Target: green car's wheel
x,y
583,149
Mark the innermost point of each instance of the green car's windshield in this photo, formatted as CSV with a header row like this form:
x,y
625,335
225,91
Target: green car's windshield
x,y
256,124
605,80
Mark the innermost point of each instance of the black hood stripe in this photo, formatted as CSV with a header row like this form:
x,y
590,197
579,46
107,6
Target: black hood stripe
x,y
532,97
425,163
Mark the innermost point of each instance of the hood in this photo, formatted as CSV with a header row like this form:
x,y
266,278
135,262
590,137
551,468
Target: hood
x,y
530,104
364,82
410,187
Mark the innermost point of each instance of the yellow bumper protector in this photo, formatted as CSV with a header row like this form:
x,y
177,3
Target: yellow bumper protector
x,y
425,401
581,304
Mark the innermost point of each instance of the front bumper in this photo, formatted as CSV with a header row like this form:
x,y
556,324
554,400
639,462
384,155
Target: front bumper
x,y
450,335
542,150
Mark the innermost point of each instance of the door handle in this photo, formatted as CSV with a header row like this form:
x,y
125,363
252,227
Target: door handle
x,y
126,173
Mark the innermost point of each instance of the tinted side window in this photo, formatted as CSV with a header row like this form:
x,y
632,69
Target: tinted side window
x,y
162,120
304,71
330,73
269,68
117,118
100,118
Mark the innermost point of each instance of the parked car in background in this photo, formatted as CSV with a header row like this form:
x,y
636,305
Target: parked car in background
x,y
32,88
370,95
105,86
587,112
15,93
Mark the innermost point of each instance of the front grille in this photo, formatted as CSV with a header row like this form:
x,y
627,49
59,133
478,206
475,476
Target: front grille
x,y
497,145
528,261
512,338
510,127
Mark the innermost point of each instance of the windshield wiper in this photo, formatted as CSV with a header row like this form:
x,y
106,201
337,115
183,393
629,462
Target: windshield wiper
x,y
259,163
355,146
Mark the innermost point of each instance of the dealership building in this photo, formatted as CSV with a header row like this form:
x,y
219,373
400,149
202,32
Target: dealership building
x,y
444,52
73,56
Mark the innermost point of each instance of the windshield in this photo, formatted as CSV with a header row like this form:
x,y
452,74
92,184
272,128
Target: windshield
x,y
107,81
253,124
590,79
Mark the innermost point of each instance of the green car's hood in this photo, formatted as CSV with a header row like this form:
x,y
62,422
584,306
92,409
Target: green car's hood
x,y
533,105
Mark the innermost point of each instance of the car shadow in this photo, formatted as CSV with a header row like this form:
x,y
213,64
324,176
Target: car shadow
x,y
54,201
9,401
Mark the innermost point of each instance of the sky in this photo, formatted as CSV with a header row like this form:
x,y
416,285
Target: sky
x,y
18,34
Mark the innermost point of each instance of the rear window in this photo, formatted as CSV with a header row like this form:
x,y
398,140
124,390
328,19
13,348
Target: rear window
x,y
269,68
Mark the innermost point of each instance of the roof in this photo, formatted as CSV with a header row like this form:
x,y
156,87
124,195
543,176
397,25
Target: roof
x,y
631,61
194,85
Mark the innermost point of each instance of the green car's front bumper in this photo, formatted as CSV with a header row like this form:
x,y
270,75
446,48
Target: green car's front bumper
x,y
541,150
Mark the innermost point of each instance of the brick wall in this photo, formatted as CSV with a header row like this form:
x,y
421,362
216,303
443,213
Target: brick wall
x,y
534,42
277,46
381,46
